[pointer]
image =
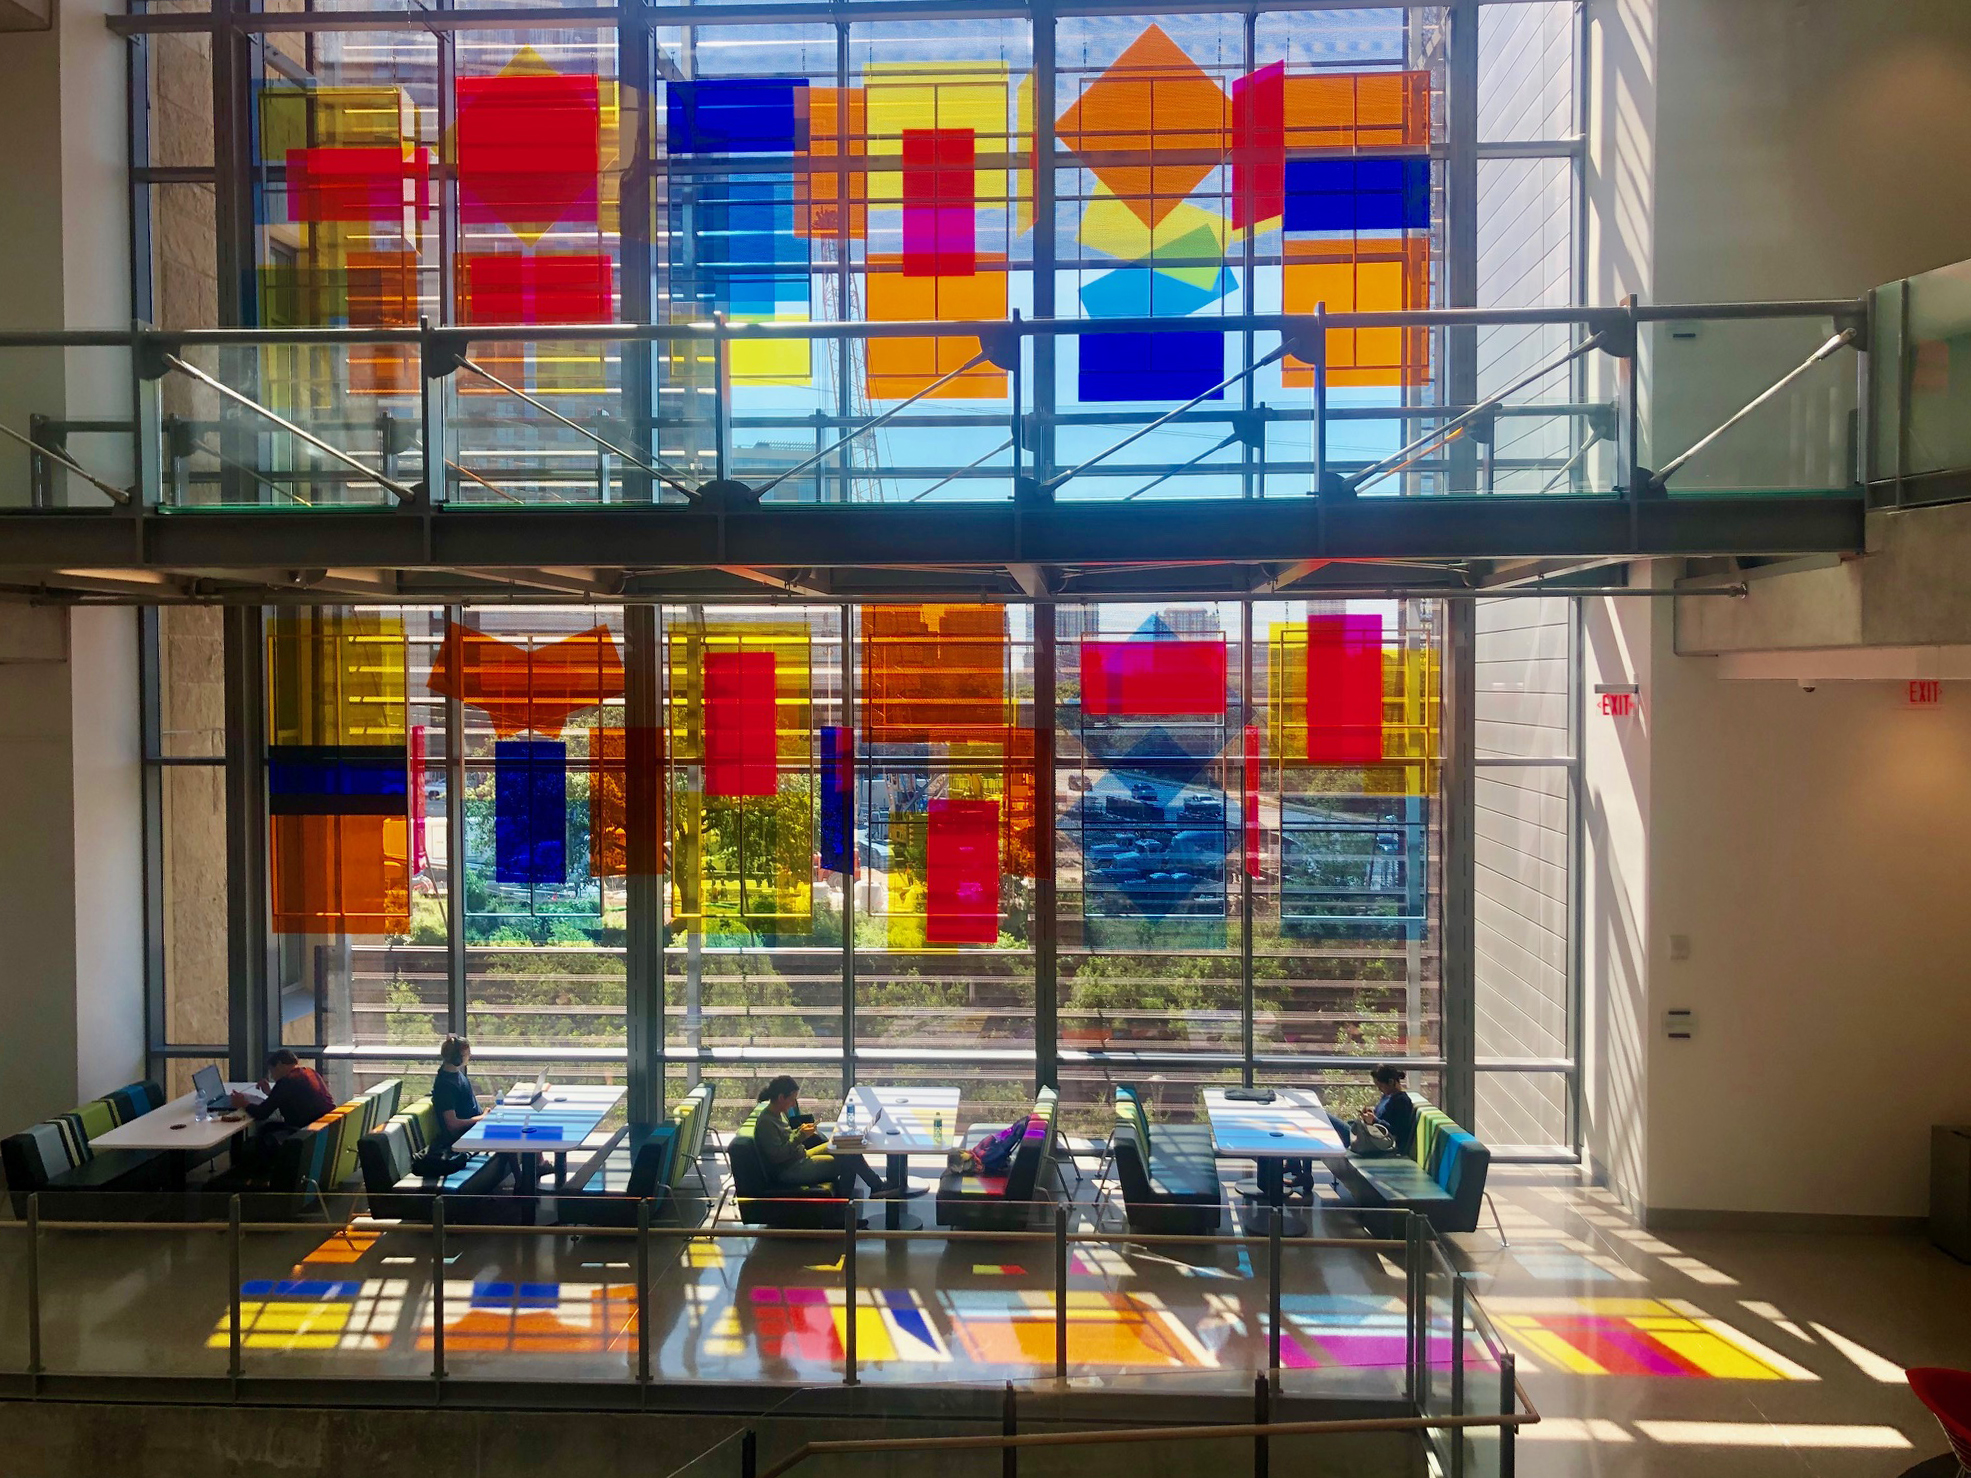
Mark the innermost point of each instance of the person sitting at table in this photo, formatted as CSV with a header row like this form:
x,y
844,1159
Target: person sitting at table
x,y
792,1162
294,1097
1396,1111
457,1104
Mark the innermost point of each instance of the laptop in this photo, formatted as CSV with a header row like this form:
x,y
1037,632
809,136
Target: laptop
x,y
211,1088
532,1092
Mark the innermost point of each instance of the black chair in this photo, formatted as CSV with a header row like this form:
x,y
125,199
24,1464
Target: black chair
x,y
761,1201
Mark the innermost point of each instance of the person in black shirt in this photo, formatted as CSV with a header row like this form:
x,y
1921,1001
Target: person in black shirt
x,y
1395,1110
294,1097
457,1104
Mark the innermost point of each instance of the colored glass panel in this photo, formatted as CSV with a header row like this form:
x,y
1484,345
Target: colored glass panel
x,y
356,184
530,812
753,267
740,720
1259,145
336,780
902,367
832,199
1357,194
382,293
1022,804
1151,127
934,674
340,875
736,115
837,798
1357,110
1344,690
962,872
903,96
940,219
1252,770
1361,277
1122,679
1143,292
1153,366
528,148
551,287
521,688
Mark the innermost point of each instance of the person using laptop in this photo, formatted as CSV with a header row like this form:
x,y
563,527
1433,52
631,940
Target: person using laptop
x,y
791,1159
295,1096
457,1103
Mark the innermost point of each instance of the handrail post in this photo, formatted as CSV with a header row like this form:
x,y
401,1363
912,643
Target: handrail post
x,y
437,1297
235,1344
1410,1303
1508,1433
749,1455
849,1288
34,1292
1009,1426
1262,1413
643,1294
1273,1293
1060,1292
1457,1372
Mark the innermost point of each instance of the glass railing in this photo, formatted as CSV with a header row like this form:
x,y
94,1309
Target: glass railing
x,y
615,414
1920,389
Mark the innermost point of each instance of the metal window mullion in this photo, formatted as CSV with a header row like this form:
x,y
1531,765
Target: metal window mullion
x,y
1246,479
1577,889
1457,952
455,846
151,718
250,1022
643,961
1248,785
1045,110
852,854
1045,921
1461,224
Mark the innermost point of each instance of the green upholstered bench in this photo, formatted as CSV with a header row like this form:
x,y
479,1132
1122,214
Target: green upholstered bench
x,y
1168,1172
1015,1200
1444,1182
55,1155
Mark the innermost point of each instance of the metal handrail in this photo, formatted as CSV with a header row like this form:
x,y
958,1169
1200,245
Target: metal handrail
x,y
1111,1437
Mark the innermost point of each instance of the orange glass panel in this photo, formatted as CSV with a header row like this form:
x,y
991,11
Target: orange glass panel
x,y
1358,110
1361,276
899,368
1151,127
341,874
522,688
821,190
626,802
1021,810
934,674
382,294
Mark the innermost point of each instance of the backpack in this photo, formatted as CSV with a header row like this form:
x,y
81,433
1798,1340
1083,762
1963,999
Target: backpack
x,y
991,1156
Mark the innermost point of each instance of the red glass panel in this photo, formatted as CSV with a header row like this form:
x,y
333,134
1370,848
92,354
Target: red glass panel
x,y
529,150
961,873
1259,146
1344,690
740,757
940,233
356,184
1127,679
557,287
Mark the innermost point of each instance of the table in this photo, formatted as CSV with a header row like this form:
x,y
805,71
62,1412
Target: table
x,y
897,1122
173,1126
558,1123
1294,1126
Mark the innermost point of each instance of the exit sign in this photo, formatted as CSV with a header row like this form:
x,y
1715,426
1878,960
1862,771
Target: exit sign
x,y
1617,705
1925,692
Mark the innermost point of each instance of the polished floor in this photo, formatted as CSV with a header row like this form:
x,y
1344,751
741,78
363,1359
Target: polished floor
x,y
1734,1354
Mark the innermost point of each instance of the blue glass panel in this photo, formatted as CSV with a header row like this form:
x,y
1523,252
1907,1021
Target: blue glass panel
x,y
530,812
737,115
837,797
336,780
1143,292
1358,194
1158,366
750,262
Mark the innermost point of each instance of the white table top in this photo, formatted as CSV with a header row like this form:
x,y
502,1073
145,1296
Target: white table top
x,y
557,1124
1293,1124
897,1121
173,1127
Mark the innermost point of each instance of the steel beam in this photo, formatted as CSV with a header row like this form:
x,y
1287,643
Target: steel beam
x,y
36,543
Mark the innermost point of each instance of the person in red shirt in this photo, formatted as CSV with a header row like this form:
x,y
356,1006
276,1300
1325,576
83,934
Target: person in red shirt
x,y
295,1097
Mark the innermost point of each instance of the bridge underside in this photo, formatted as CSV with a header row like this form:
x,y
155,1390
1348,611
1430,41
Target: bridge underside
x,y
876,552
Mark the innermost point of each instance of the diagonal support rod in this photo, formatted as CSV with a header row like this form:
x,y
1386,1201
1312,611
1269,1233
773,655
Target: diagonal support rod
x,y
953,477
1832,346
115,494
1437,435
1170,415
576,426
1182,466
391,485
870,425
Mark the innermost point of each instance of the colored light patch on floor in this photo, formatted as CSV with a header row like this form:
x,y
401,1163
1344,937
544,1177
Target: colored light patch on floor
x,y
1338,1330
536,1318
346,1246
1104,1329
812,1324
998,1270
1642,1337
1560,1267
292,1314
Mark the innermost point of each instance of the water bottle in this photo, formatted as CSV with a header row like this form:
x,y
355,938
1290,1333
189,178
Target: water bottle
x,y
937,1130
198,1108
849,1113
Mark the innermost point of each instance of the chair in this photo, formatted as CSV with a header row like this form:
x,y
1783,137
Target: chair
x,y
56,1155
1015,1200
1444,1181
1169,1178
1948,1395
602,1195
762,1202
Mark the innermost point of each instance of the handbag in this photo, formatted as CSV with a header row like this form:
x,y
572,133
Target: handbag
x,y
1371,1140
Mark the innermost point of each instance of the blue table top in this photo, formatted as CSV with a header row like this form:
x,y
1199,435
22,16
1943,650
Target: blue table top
x,y
561,1121
1294,1124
